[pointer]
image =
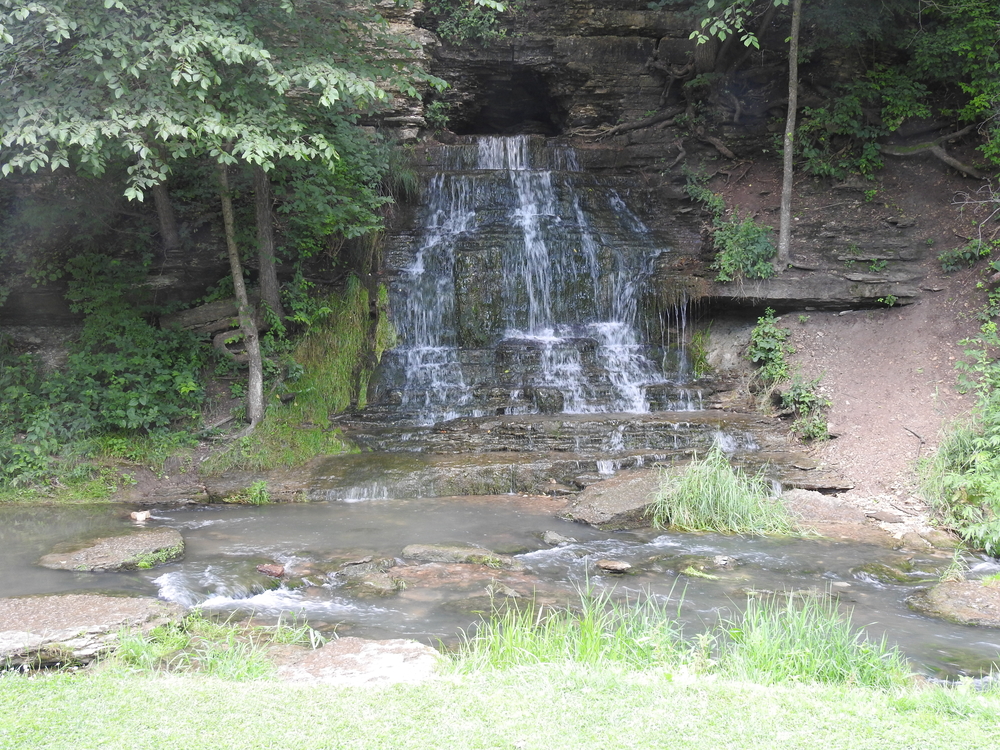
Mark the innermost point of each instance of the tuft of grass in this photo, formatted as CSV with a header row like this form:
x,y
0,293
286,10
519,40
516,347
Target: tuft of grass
x,y
256,494
712,495
805,639
637,634
198,645
337,357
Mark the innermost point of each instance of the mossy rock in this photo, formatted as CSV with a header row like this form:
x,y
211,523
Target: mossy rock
x,y
137,550
456,553
901,572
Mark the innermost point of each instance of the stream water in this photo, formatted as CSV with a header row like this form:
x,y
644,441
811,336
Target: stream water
x,y
226,543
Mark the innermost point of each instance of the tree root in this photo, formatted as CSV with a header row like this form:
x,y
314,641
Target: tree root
x,y
668,114
935,148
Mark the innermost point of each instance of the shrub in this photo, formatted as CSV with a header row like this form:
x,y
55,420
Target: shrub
x,y
711,495
809,407
743,249
769,349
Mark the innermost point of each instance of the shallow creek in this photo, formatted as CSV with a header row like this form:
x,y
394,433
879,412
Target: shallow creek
x,y
226,543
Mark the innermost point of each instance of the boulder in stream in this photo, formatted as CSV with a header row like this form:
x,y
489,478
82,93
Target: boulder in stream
x,y
140,549
41,631
619,502
964,602
458,553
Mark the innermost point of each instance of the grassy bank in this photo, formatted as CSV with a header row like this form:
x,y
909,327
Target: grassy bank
x,y
545,707
792,672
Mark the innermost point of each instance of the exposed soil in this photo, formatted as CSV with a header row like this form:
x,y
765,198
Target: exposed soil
x,y
889,372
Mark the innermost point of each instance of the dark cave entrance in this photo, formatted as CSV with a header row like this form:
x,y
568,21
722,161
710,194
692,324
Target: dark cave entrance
x,y
510,101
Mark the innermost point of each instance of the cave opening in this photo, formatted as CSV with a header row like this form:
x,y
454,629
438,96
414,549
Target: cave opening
x,y
511,101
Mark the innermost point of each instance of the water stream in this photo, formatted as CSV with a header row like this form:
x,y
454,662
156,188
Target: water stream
x,y
226,543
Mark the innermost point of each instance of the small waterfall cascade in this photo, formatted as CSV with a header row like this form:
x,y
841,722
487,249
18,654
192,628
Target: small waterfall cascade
x,y
523,292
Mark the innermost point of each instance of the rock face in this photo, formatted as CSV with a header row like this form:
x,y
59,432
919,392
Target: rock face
x,y
138,549
40,631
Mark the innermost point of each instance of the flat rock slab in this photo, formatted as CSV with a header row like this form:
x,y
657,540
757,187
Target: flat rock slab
x,y
356,661
73,628
824,515
457,553
964,602
619,502
144,548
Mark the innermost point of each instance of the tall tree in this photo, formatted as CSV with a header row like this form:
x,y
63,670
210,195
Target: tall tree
x,y
788,171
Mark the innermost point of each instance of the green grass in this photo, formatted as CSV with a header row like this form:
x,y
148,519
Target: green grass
x,y
603,675
712,495
804,638
228,651
638,634
544,707
778,639
329,354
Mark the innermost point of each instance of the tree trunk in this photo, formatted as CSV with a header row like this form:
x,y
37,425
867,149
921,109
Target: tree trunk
x,y
169,235
255,387
270,291
785,231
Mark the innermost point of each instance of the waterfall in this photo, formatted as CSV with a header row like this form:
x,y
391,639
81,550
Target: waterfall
x,y
524,290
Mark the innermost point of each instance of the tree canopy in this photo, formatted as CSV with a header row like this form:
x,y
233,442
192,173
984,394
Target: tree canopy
x,y
147,82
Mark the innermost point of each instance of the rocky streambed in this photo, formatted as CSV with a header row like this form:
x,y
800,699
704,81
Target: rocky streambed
x,y
425,568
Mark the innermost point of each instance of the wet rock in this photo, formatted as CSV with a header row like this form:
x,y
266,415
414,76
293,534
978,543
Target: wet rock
x,y
913,540
40,631
940,539
272,570
619,502
454,553
355,661
885,517
822,514
614,566
556,539
373,584
725,562
137,549
900,571
140,516
366,566
964,602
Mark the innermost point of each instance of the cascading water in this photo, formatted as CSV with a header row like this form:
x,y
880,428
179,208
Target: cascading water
x,y
527,277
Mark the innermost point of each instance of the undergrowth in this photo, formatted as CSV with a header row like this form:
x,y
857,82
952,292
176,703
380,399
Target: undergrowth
x,y
711,495
769,350
743,248
805,637
331,380
636,634
962,480
196,644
